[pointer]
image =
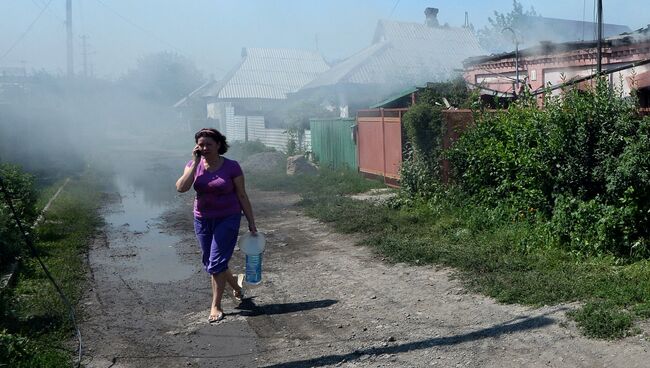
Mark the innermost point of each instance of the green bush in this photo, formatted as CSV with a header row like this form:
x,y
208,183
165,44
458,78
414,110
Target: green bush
x,y
420,169
419,176
23,195
14,350
423,129
583,162
504,159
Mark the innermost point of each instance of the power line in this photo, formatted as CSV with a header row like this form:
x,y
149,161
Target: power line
x,y
150,34
394,7
42,4
29,28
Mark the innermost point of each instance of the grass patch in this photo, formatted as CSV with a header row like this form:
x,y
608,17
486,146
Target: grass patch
x,y
35,327
511,260
603,320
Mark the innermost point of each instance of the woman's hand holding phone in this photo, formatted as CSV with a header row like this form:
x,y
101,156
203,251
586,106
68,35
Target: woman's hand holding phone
x,y
196,153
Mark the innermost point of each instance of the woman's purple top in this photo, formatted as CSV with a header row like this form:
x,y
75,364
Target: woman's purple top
x,y
215,191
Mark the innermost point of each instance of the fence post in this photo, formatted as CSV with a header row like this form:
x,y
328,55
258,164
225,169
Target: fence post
x,y
383,143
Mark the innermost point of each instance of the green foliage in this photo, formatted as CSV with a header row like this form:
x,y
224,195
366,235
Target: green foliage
x,y
163,77
420,169
419,176
511,261
14,350
603,320
20,186
455,91
296,136
504,159
423,128
583,161
493,38
326,183
33,320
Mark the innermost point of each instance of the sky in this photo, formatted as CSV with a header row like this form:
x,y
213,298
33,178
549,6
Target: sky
x,y
212,33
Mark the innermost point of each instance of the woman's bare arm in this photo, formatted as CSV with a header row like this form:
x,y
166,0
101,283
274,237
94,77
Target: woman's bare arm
x,y
245,203
184,183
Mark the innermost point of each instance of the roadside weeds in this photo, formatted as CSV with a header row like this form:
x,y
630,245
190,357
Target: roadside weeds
x,y
35,328
513,261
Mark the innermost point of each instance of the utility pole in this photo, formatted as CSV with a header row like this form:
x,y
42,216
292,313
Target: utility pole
x,y
68,26
599,57
515,83
84,54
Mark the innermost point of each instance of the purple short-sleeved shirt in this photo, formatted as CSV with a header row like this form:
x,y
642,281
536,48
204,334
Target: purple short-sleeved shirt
x,y
215,191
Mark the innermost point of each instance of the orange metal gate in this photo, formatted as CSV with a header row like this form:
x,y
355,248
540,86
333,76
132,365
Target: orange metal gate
x,y
379,143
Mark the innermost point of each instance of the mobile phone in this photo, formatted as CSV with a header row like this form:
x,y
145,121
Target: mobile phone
x,y
197,153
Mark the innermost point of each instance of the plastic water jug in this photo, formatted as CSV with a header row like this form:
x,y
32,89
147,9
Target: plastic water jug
x,y
253,247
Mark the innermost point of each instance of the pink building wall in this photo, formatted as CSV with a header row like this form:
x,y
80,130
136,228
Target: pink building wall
x,y
553,67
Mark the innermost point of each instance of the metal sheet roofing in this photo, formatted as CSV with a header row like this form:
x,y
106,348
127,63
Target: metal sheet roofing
x,y
269,74
404,54
538,28
638,36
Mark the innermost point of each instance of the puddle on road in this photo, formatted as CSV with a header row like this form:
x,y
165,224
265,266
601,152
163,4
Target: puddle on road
x,y
145,196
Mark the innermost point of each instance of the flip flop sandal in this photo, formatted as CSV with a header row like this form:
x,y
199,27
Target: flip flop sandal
x,y
217,318
239,296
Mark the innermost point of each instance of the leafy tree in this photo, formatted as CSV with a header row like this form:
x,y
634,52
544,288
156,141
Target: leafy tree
x,y
163,77
493,37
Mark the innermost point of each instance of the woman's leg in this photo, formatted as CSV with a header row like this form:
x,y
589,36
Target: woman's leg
x,y
218,286
232,281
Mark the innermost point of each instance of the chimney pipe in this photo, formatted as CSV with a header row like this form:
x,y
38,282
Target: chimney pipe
x,y
432,17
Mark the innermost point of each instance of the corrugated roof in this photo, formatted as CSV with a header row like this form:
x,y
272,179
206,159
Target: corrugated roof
x,y
550,48
269,74
395,97
535,28
404,54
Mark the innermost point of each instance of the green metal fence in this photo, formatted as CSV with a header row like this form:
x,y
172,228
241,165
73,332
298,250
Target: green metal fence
x,y
332,142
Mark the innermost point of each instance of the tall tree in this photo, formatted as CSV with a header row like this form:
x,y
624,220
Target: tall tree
x,y
496,37
163,77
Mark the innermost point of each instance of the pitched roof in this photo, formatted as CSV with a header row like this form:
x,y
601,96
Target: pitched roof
x,y
404,54
269,74
185,101
537,28
549,48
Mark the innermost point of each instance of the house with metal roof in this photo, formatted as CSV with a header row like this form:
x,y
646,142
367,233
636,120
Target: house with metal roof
x,y
402,55
237,104
548,66
530,30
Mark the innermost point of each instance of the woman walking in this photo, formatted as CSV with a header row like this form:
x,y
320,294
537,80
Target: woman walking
x,y
220,199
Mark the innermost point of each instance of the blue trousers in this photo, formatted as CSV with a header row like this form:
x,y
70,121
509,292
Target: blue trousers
x,y
217,238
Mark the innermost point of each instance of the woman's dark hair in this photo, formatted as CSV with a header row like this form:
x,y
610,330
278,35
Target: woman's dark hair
x,y
214,134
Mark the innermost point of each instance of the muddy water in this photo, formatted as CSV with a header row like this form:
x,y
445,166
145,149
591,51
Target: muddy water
x,y
145,184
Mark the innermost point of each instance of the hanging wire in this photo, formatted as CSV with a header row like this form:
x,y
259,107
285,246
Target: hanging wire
x,y
394,7
142,29
29,28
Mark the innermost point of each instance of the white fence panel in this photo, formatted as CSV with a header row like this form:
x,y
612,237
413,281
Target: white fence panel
x,y
236,129
275,138
256,131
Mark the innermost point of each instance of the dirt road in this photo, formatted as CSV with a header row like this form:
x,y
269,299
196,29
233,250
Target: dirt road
x,y
324,302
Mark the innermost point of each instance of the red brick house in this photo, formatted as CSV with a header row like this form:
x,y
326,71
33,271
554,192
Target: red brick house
x,y
625,61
